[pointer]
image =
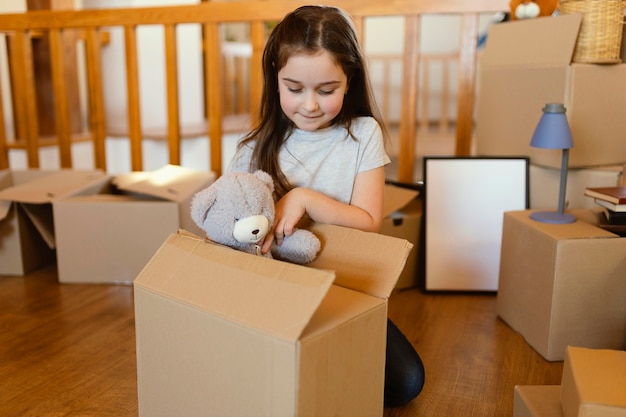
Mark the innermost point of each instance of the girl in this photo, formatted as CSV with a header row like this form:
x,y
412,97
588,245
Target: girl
x,y
320,137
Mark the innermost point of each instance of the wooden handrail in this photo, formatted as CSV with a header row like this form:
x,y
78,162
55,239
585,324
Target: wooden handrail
x,y
91,24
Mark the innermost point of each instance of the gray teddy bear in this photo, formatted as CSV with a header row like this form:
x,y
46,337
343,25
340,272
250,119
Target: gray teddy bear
x,y
237,210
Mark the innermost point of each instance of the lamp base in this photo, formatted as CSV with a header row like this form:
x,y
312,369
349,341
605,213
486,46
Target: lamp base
x,y
552,217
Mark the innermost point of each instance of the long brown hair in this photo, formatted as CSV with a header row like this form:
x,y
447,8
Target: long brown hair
x,y
307,30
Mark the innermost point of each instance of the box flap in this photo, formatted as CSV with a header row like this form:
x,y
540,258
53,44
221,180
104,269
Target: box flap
x,y
171,182
274,297
367,262
40,216
56,185
5,206
397,197
532,42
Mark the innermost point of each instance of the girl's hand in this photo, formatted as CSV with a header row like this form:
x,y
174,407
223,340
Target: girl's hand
x,y
289,210
364,211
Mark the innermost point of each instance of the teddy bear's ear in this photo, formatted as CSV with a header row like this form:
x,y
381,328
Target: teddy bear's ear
x,y
201,203
266,178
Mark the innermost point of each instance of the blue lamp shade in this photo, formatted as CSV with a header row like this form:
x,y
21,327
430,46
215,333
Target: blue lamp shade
x,y
552,131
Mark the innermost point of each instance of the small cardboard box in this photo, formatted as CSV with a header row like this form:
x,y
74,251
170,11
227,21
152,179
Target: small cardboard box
x,y
27,239
594,383
402,218
537,401
562,285
225,333
517,79
108,238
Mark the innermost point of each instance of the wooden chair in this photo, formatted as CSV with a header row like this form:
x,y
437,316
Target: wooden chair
x,y
63,27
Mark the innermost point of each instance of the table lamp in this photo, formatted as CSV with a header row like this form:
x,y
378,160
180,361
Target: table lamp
x,y
553,132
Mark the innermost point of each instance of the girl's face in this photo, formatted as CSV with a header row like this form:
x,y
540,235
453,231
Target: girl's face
x,y
312,88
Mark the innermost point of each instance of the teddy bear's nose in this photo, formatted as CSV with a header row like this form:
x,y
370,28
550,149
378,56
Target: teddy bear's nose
x,y
255,232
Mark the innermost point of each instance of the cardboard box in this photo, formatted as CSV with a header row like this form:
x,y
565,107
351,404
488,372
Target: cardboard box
x,y
225,333
27,239
594,383
562,285
402,211
108,238
545,182
537,401
517,79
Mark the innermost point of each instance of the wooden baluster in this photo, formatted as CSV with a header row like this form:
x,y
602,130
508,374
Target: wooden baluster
x,y
214,91
257,39
445,93
466,90
173,115
60,97
25,98
95,97
386,87
132,86
424,122
406,158
240,73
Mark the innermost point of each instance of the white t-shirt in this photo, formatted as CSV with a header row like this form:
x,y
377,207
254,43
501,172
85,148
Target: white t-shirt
x,y
327,160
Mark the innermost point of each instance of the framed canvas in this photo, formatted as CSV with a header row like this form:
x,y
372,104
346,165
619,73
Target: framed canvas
x,y
464,203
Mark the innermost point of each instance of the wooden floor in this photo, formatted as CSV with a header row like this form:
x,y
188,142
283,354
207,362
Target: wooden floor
x,y
69,350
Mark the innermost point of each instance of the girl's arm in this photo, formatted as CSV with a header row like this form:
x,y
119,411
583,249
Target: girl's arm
x,y
364,211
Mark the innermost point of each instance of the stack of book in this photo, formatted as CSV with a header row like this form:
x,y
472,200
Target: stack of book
x,y
613,202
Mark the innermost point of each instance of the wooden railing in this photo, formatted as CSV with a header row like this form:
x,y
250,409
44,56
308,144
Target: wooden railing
x,y
62,27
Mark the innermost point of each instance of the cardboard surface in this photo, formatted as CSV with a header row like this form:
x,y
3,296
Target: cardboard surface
x,y
545,182
27,235
562,285
537,401
221,332
371,269
517,79
594,383
108,238
402,218
169,183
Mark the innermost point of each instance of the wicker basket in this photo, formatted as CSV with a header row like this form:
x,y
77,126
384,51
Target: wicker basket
x,y
600,36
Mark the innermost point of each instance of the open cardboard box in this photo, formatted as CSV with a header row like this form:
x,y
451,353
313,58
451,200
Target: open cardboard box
x,y
108,236
562,284
402,218
594,383
226,333
27,235
517,79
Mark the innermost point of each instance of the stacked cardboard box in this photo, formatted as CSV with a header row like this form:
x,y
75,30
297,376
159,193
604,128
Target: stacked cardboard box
x,y
517,79
545,182
593,385
562,285
226,333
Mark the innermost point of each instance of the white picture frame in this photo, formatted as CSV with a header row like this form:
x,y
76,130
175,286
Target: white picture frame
x,y
464,203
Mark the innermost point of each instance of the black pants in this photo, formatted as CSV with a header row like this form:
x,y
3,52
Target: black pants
x,y
404,370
